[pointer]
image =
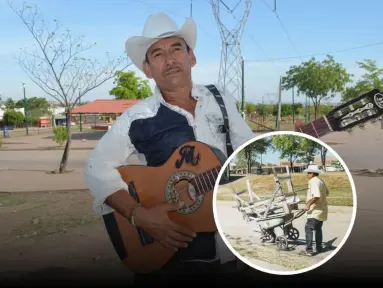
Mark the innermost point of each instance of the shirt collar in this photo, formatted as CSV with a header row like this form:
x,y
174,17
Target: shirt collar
x,y
198,93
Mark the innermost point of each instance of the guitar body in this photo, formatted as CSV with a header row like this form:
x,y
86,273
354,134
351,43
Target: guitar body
x,y
188,175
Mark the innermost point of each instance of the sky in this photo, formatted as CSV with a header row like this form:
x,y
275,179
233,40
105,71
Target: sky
x,y
314,27
275,157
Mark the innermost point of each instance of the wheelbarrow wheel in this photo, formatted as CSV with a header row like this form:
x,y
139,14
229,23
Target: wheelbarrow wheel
x,y
293,233
282,243
266,235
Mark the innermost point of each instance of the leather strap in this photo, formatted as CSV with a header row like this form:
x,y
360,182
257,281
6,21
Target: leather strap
x,y
218,98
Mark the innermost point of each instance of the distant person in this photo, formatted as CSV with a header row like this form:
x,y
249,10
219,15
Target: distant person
x,y
179,111
317,210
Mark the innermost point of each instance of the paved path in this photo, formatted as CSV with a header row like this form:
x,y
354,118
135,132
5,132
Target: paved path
x,y
80,140
232,223
27,171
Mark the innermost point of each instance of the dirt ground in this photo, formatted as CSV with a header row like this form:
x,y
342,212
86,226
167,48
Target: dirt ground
x,y
45,234
244,238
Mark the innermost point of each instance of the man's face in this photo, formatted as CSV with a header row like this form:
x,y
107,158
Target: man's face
x,y
169,63
310,175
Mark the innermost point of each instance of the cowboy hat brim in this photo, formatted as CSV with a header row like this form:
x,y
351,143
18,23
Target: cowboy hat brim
x,y
137,46
313,171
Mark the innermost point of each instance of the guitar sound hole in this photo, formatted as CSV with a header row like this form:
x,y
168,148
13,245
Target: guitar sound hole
x,y
179,189
186,192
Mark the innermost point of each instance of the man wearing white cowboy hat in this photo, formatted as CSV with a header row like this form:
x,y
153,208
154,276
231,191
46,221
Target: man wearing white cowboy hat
x,y
179,111
317,209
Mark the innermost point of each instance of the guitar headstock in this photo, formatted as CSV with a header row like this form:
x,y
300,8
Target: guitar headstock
x,y
357,112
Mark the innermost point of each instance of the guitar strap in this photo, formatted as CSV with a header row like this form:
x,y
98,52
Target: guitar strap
x,y
229,147
218,98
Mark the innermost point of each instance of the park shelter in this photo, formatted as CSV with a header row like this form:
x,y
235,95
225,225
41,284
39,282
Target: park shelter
x,y
101,113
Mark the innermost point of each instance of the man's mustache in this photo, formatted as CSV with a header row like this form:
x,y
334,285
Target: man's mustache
x,y
171,68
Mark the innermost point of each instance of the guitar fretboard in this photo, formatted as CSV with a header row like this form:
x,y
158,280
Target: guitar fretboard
x,y
318,128
205,182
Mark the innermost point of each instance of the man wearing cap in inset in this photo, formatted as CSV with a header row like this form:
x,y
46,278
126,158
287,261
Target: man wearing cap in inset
x,y
317,209
179,111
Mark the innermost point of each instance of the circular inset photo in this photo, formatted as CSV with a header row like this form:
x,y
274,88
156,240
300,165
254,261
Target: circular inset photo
x,y
284,203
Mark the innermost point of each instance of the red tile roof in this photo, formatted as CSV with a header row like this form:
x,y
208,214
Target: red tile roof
x,y
105,106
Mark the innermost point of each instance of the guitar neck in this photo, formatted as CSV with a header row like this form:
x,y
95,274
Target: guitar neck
x,y
206,181
317,128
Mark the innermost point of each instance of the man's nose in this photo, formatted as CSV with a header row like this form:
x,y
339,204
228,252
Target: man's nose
x,y
169,57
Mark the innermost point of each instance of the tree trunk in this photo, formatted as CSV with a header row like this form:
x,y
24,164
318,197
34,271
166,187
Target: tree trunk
x,y
249,165
64,159
323,156
316,108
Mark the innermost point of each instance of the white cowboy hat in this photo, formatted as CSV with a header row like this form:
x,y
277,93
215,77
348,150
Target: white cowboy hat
x,y
159,26
312,168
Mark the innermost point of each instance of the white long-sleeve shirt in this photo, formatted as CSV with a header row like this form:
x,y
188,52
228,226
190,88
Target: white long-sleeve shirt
x,y
135,138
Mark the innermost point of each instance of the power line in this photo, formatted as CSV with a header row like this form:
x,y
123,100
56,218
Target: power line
x,y
283,26
320,54
178,15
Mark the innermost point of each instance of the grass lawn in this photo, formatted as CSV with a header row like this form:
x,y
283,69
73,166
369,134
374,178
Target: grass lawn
x,y
263,185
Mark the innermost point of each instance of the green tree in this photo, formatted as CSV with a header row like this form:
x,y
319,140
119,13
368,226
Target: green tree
x,y
371,79
249,154
12,117
289,146
130,86
250,108
60,135
310,149
337,164
261,110
57,65
10,104
317,80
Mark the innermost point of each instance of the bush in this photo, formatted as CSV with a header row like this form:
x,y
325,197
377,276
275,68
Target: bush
x,y
13,118
60,134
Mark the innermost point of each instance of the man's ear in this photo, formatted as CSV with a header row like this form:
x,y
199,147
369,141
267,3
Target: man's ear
x,y
193,59
147,70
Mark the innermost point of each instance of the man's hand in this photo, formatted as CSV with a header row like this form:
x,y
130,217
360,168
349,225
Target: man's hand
x,y
307,208
156,222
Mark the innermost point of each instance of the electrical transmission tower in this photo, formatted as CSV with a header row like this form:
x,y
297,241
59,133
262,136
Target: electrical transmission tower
x,y
230,71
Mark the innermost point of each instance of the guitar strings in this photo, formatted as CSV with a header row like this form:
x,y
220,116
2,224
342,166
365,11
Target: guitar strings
x,y
200,184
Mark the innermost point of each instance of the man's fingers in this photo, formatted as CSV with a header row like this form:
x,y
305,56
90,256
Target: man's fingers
x,y
180,237
165,244
185,231
175,243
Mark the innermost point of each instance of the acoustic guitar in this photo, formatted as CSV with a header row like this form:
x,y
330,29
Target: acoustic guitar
x,y
189,175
